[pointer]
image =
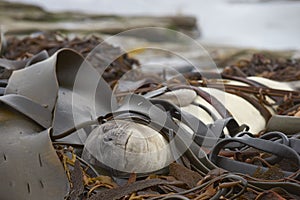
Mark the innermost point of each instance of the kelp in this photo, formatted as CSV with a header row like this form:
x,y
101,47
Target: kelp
x,y
281,101
29,165
279,69
215,184
25,48
47,112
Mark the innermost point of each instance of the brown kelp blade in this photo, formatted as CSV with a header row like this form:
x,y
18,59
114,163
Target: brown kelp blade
x,y
30,168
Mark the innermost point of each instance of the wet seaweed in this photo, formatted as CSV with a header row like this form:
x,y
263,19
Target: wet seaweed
x,y
191,177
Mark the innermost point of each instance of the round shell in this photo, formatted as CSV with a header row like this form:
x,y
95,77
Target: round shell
x,y
127,146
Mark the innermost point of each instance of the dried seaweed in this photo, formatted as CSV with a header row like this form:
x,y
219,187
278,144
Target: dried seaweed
x,y
181,173
269,195
76,182
216,184
19,49
273,173
280,69
129,189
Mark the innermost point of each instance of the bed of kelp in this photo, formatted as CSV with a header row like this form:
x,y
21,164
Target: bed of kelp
x,y
43,154
25,48
279,69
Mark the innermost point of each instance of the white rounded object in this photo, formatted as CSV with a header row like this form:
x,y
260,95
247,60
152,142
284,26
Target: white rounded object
x,y
271,83
243,111
127,146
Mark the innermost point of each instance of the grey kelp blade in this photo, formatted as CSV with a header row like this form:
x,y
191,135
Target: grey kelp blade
x,y
34,111
83,94
13,124
31,169
68,87
29,166
37,82
285,124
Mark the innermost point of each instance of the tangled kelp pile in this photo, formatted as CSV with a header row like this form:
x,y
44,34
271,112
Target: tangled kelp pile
x,y
21,49
279,69
221,159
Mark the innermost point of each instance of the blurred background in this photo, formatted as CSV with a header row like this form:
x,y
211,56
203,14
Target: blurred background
x,y
263,24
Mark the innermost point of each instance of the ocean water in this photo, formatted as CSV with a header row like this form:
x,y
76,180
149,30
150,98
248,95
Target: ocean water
x,y
244,23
